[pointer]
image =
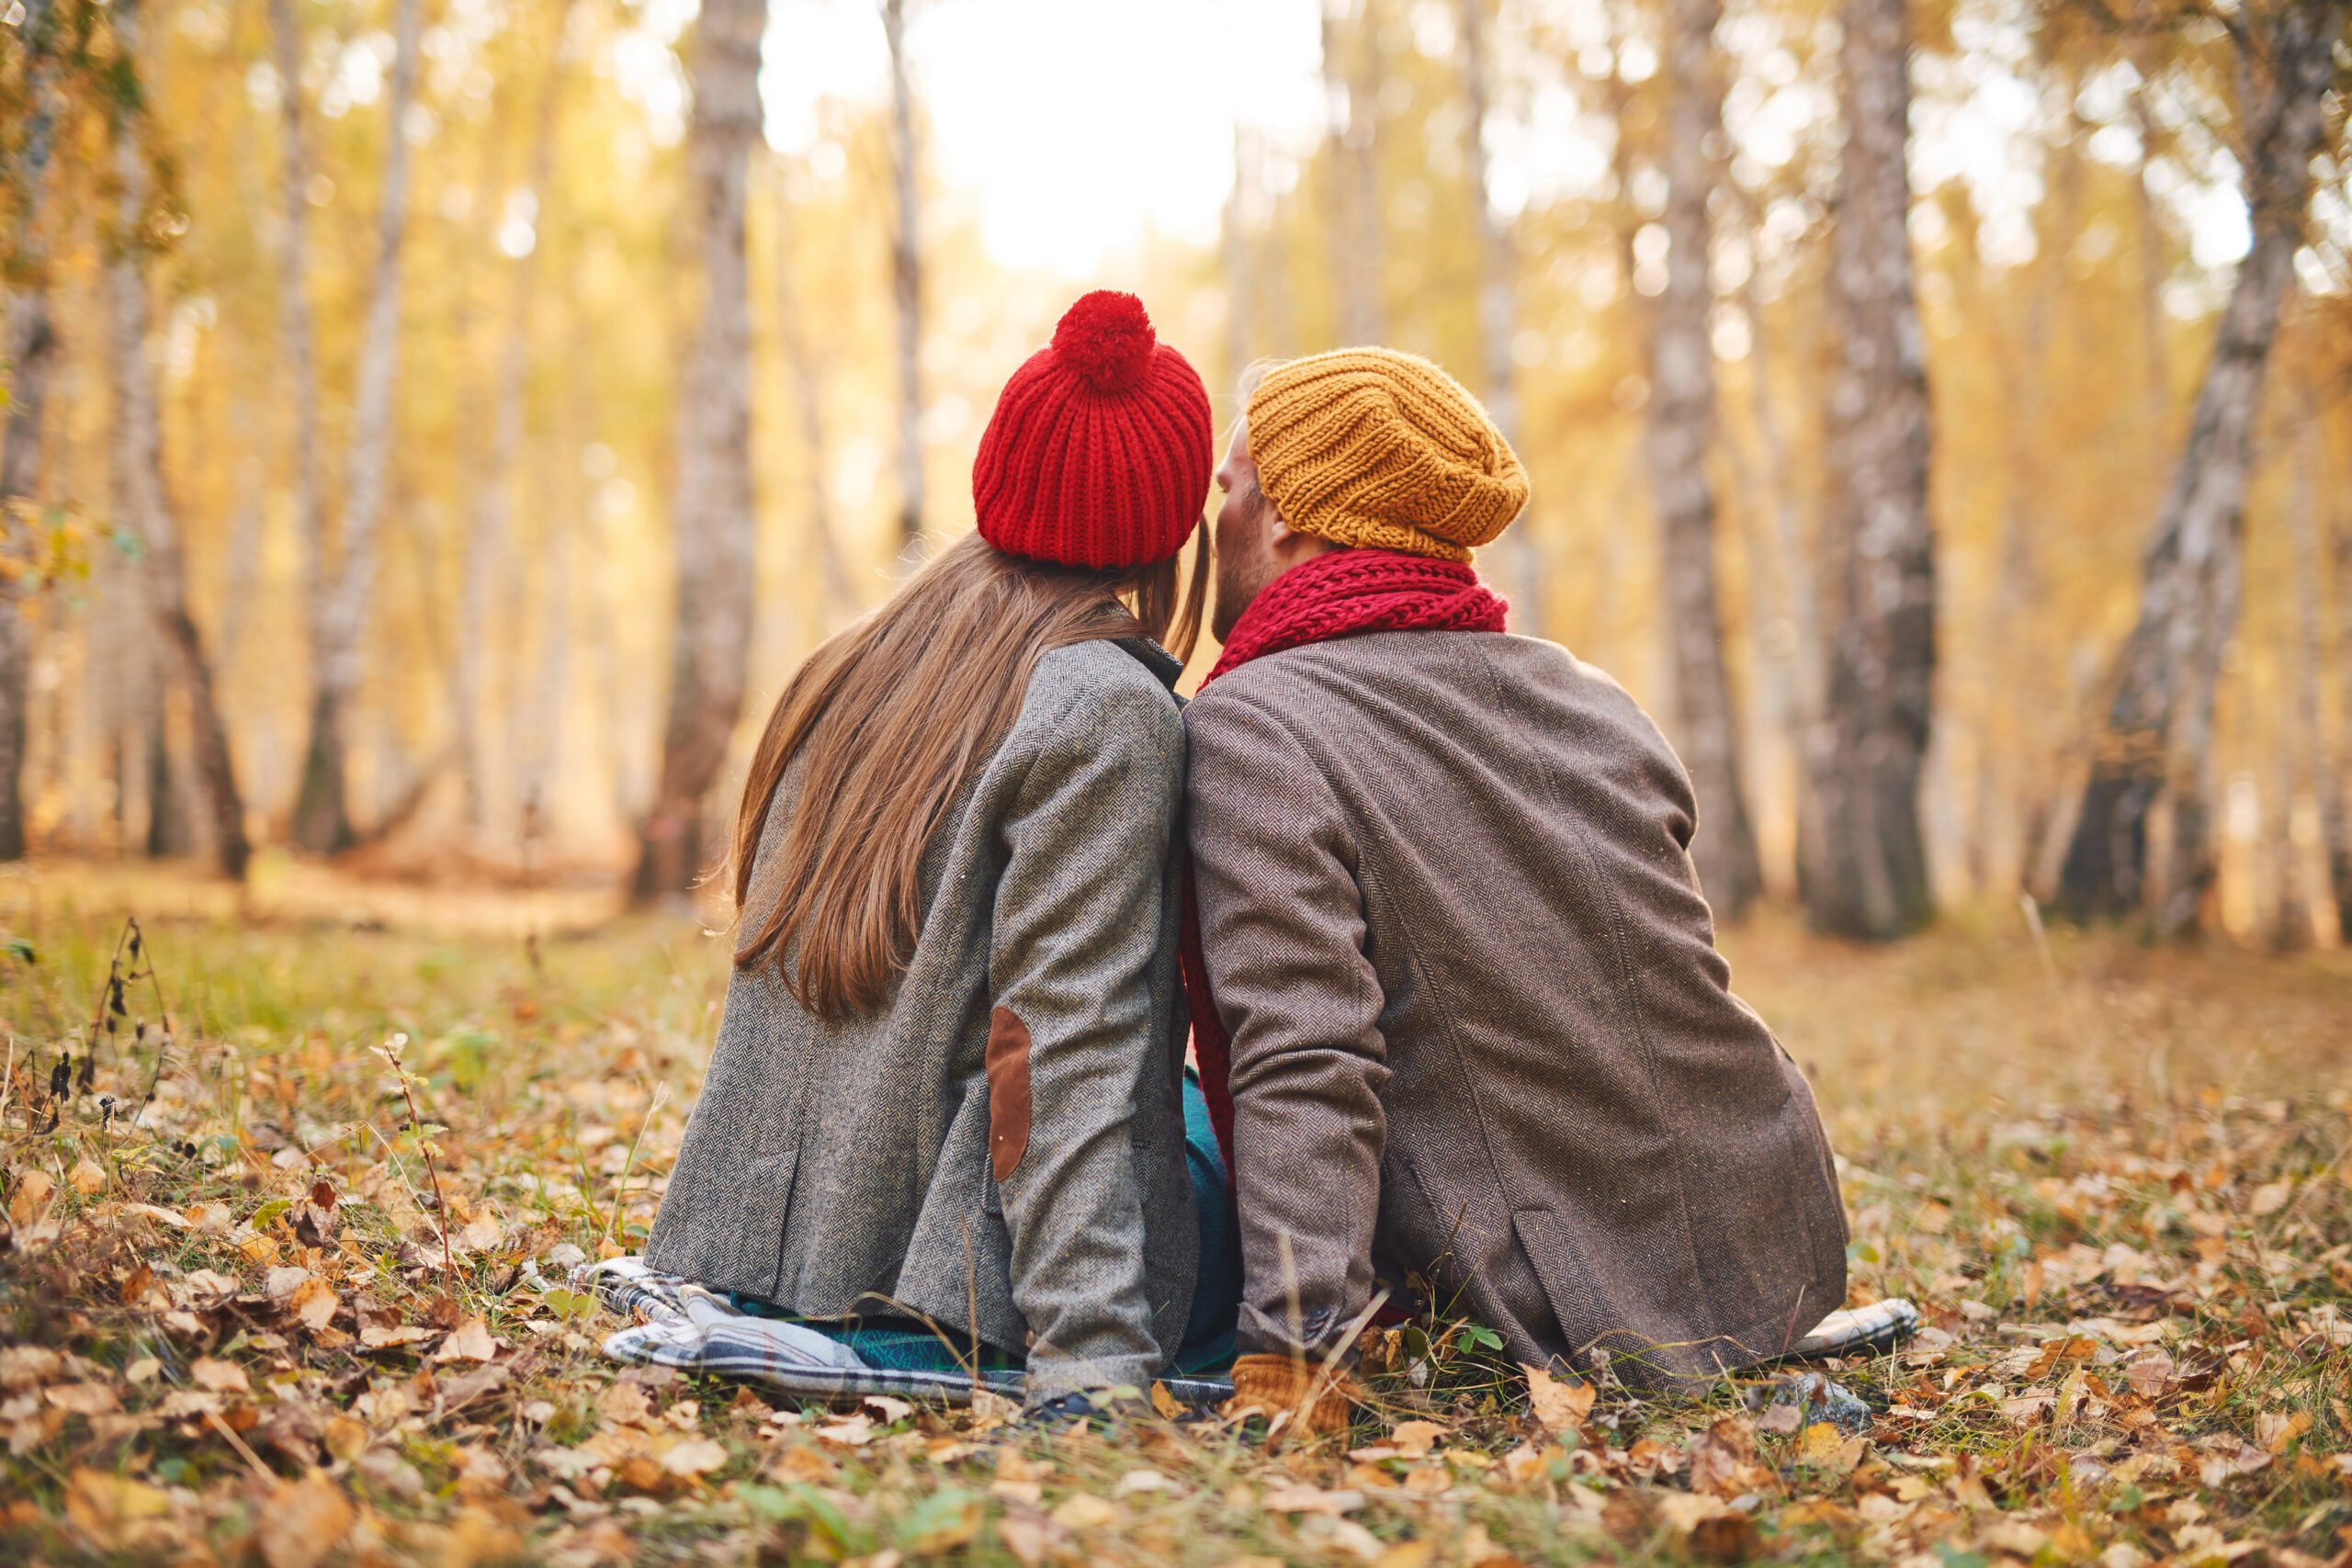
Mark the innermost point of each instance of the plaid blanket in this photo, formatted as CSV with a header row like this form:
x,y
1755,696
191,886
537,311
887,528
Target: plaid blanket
x,y
1858,1331
676,1323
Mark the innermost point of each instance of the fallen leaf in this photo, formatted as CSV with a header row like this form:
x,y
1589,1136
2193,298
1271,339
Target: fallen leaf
x,y
1311,1500
803,1464
480,1235
111,1509
1142,1480
85,1398
304,1521
2150,1374
282,1283
892,1411
171,1217
625,1404
1719,1455
346,1438
470,1341
1165,1403
2274,1432
313,1303
185,1403
1560,1406
1084,1511
86,1177
2270,1199
853,1433
1413,1439
32,1196
22,1366
221,1377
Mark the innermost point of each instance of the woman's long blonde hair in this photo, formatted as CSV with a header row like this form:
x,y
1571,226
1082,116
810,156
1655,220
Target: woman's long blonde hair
x,y
888,719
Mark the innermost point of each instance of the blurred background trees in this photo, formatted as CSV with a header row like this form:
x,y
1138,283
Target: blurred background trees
x,y
436,427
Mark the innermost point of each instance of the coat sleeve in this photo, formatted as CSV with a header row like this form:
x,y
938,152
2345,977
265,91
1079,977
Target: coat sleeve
x,y
1076,932
1283,932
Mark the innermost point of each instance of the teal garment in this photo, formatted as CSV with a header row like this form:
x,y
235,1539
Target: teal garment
x,y
906,1345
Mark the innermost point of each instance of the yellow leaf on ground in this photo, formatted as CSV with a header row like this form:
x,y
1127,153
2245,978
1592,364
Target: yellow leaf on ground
x,y
32,1196
87,1176
171,1217
110,1508
469,1341
1164,1401
1311,1500
1413,1439
2274,1431
1084,1512
304,1521
1559,1406
694,1457
480,1235
313,1303
346,1438
2270,1199
22,1366
221,1377
85,1398
625,1404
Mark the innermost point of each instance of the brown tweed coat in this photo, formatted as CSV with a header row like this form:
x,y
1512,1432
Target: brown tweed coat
x,y
1481,1035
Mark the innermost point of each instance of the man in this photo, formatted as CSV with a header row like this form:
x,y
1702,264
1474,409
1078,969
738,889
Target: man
x,y
1450,935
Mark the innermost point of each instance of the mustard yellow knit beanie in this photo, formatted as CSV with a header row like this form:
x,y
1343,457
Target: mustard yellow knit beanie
x,y
1371,447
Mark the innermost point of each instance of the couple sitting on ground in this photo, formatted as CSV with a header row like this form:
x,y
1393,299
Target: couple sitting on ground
x,y
1417,893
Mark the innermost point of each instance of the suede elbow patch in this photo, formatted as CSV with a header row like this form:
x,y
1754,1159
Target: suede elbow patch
x,y
1008,1092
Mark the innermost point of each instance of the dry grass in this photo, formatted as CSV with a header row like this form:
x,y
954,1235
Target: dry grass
x,y
2114,1178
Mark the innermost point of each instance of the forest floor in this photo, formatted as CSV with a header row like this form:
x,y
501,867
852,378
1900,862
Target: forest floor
x,y
235,1328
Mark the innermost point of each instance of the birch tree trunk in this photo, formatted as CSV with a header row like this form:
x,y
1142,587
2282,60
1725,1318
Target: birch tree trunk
x,y
1681,437
139,490
2336,789
1866,873
493,509
2311,655
30,349
711,514
2157,733
1238,328
298,346
33,357
1352,238
1498,308
808,398
339,601
906,283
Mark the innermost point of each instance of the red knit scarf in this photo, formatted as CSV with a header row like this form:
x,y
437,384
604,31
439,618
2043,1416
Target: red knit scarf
x,y
1339,593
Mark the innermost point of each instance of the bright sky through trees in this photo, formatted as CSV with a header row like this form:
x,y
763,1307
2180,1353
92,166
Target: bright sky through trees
x,y
1077,126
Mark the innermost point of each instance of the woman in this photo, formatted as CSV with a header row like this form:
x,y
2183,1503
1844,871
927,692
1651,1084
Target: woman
x,y
945,1108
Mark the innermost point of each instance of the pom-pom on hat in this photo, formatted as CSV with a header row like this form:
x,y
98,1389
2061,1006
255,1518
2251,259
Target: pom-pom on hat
x,y
1098,452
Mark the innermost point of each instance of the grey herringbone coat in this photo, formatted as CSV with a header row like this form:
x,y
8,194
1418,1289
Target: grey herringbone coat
x,y
1002,1150
1480,1029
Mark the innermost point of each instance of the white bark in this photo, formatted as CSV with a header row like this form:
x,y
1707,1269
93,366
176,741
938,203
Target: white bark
x,y
1680,442
1866,874
339,595
492,520
138,454
906,282
711,514
1497,310
1352,236
808,400
2157,738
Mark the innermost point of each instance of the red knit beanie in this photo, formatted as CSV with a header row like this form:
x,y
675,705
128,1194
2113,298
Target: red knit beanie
x,y
1098,453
